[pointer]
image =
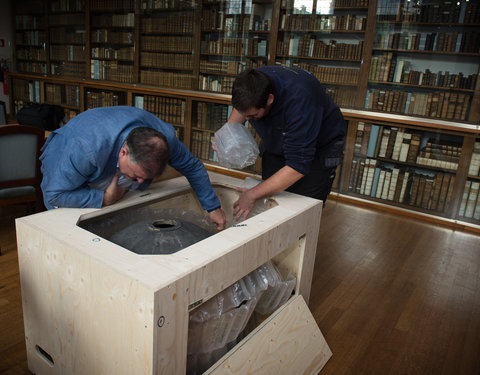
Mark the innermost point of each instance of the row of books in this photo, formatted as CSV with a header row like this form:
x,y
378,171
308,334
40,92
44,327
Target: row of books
x,y
434,156
332,75
68,53
31,38
66,36
28,91
415,187
113,20
386,68
218,20
167,4
67,6
62,94
173,23
442,105
351,3
227,67
227,46
112,4
201,146
400,144
167,79
474,168
109,36
113,53
167,43
308,46
211,116
289,4
65,19
166,60
429,12
470,203
342,96
35,54
111,71
216,84
67,69
28,22
32,67
440,79
171,110
302,22
96,99
446,42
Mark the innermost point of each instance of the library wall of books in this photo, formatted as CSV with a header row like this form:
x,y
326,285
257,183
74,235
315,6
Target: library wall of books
x,y
404,72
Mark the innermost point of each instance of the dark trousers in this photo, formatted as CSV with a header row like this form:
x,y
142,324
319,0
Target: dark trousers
x,y
317,184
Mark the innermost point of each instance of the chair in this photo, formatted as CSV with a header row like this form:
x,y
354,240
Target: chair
x,y
3,113
20,174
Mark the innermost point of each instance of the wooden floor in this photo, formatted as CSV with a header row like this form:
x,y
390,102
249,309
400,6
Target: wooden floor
x,y
391,295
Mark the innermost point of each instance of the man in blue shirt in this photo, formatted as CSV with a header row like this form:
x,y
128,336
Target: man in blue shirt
x,y
302,132
104,152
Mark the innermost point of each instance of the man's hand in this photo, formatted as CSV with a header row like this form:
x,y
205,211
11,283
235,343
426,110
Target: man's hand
x,y
244,204
113,192
218,218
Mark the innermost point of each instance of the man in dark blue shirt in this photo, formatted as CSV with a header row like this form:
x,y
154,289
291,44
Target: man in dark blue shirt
x,y
302,132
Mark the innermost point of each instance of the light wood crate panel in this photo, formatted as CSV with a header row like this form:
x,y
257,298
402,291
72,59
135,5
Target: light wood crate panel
x,y
93,307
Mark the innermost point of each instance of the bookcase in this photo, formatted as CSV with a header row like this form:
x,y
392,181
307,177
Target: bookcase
x,y
415,58
234,35
402,162
31,35
425,59
66,26
470,200
408,166
326,39
391,66
112,40
167,43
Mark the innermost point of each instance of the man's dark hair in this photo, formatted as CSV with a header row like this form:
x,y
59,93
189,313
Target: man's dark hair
x,y
251,89
148,148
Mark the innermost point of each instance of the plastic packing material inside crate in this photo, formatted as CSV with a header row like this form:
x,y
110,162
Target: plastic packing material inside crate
x,y
218,324
221,319
278,291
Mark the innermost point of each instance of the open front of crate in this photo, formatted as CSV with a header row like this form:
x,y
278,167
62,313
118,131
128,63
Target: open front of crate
x,y
95,300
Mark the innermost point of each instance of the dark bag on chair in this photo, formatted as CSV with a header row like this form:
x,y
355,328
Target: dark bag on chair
x,y
44,116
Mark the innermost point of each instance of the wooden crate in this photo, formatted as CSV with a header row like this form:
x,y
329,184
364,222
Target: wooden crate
x,y
93,307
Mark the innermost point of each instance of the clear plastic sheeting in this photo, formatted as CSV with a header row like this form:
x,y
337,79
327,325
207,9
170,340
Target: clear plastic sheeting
x,y
218,324
235,145
278,291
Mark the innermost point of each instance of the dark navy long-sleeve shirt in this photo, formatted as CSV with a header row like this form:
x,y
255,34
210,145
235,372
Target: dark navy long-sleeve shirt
x,y
302,121
83,155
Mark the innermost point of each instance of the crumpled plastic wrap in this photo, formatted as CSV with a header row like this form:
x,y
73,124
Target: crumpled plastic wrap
x,y
278,291
221,319
235,145
218,324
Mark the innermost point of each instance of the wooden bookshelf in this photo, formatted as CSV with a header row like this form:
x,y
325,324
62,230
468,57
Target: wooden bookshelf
x,y
429,52
186,54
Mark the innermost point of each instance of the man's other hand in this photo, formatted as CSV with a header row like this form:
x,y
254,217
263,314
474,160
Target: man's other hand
x,y
113,192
